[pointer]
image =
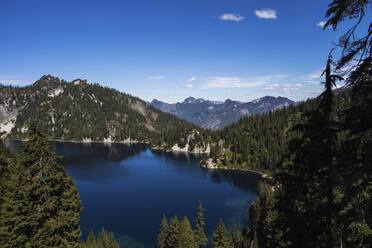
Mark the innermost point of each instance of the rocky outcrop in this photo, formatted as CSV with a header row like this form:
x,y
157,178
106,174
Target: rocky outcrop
x,y
209,164
7,119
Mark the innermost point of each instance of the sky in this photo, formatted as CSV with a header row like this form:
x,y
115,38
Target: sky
x,y
169,50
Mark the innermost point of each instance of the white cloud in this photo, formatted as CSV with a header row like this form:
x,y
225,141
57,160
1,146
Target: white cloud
x,y
189,85
237,82
321,24
283,87
266,13
271,86
313,78
231,17
191,79
155,77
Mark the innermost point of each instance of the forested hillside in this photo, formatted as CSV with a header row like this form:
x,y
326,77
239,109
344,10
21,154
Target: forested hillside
x,y
321,193
259,142
81,111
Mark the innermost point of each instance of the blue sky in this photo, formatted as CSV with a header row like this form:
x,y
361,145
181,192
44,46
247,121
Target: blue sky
x,y
169,50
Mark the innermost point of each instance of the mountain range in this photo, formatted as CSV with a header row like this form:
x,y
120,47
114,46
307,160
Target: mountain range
x,y
81,111
215,114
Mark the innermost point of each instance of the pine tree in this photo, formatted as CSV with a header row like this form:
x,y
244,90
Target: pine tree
x,y
163,235
173,232
236,237
263,217
309,182
220,239
186,238
91,239
7,161
103,239
113,243
200,237
356,151
53,218
14,208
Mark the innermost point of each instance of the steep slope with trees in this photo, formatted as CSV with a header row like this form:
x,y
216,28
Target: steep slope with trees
x,y
81,111
323,186
259,142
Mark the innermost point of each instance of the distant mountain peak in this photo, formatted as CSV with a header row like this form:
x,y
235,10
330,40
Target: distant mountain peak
x,y
189,100
217,114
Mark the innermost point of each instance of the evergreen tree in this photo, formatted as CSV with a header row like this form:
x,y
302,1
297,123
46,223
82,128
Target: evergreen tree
x,y
104,240
7,161
91,239
263,218
53,217
237,238
220,238
14,207
173,232
356,151
309,182
163,235
186,238
200,237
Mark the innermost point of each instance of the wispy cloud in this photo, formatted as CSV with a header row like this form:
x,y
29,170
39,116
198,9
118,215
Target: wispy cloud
x,y
189,85
237,82
313,78
321,24
155,77
266,13
191,79
231,17
283,87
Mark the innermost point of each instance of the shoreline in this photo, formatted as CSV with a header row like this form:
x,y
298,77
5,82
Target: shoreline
x,y
262,174
100,142
210,165
120,142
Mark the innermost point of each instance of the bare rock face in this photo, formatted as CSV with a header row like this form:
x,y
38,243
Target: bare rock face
x,y
7,119
209,164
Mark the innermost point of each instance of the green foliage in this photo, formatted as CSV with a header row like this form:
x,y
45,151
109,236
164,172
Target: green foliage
x,y
176,233
41,204
91,240
258,142
323,187
186,238
220,237
240,238
163,235
263,218
104,240
200,237
81,111
173,232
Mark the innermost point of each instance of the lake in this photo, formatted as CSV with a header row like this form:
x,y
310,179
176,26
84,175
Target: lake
x,y
127,189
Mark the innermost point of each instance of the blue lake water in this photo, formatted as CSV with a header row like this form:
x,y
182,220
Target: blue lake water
x,y
128,188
